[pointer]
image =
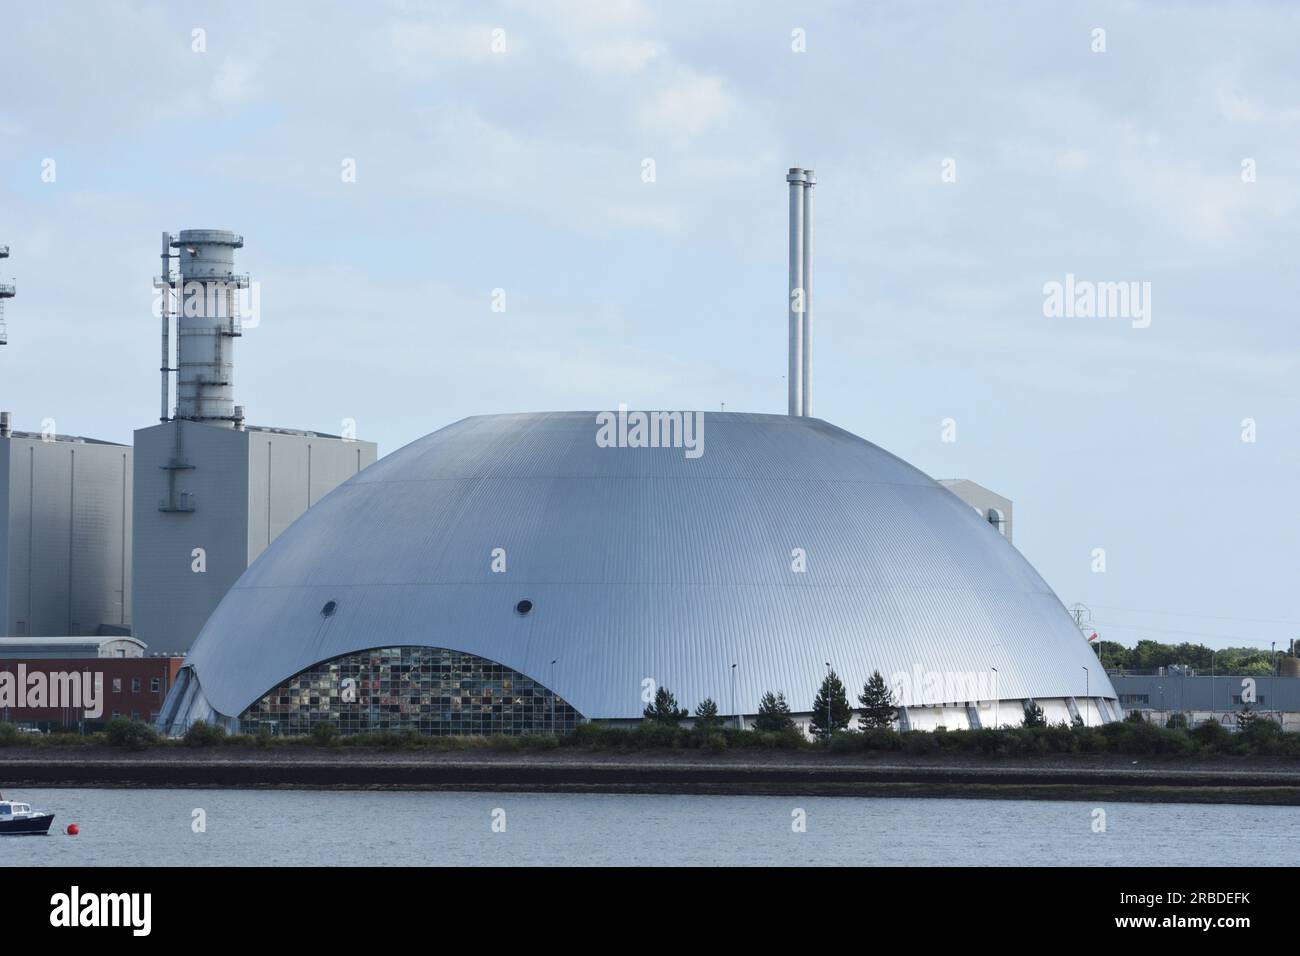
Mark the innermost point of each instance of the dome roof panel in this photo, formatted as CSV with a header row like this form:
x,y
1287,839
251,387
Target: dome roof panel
x,y
642,563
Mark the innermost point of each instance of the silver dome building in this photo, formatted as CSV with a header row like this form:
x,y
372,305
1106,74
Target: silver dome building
x,y
519,573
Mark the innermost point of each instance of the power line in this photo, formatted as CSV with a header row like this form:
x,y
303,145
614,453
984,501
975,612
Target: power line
x,y
1165,630
1208,617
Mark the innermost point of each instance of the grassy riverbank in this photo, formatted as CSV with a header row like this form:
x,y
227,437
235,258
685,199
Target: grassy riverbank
x,y
1124,762
1261,738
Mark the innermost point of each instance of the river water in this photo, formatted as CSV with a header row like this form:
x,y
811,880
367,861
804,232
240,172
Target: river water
x,y
350,828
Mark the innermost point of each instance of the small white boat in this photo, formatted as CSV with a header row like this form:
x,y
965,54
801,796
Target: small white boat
x,y
19,819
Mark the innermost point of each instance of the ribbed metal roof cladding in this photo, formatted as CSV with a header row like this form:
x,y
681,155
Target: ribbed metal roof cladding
x,y
643,563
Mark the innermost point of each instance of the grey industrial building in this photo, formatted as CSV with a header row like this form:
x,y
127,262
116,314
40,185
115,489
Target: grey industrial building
x,y
70,648
520,573
1200,697
211,492
65,534
989,505
102,538
225,493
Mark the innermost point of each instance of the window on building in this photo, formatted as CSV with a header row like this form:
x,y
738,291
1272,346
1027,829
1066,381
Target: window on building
x,y
155,684
135,685
135,715
117,689
116,715
430,691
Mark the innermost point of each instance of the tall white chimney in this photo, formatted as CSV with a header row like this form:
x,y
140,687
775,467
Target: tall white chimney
x,y
809,181
794,377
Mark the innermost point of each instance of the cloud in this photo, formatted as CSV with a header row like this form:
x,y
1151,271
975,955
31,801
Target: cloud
x,y
617,56
232,85
686,107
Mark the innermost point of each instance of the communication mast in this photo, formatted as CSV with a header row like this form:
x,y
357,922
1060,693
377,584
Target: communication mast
x,y
6,292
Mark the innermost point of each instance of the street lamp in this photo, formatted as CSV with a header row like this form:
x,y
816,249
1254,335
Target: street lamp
x,y
828,701
1213,653
552,697
1273,655
735,718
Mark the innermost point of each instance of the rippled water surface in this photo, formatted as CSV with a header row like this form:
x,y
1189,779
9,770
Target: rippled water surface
x,y
289,827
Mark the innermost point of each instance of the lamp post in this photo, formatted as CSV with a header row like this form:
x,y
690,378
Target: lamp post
x,y
735,718
552,697
828,701
997,702
1213,653
1274,683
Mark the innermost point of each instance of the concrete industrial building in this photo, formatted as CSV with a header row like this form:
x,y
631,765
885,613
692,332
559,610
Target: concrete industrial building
x,y
65,534
70,648
210,491
1201,697
208,500
519,573
989,505
92,544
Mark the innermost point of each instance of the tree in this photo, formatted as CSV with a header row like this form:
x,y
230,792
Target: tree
x,y
706,714
773,714
879,708
831,707
664,710
1034,717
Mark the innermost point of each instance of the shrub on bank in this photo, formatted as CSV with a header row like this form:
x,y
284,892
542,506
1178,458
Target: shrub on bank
x,y
324,733
129,734
203,734
1211,737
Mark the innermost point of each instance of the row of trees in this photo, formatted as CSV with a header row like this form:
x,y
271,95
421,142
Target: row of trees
x,y
831,710
1149,655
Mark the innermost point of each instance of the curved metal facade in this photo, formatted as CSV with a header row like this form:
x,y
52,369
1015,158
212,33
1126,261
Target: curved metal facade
x,y
643,564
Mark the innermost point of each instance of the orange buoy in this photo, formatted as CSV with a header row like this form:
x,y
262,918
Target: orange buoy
x,y
73,829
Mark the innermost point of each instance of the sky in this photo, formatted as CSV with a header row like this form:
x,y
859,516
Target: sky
x,y
968,155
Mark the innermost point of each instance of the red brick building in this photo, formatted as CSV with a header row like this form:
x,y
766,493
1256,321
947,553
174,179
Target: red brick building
x,y
83,691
